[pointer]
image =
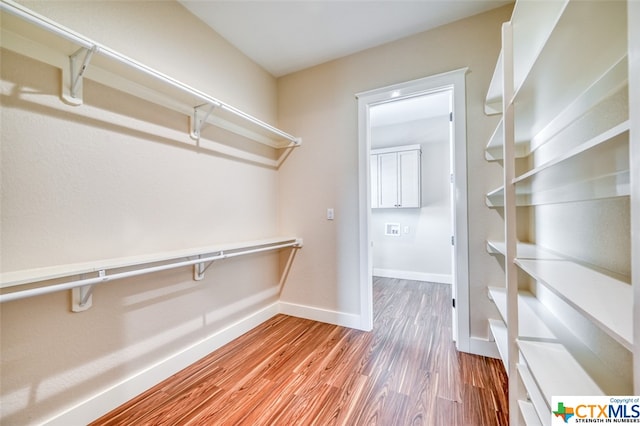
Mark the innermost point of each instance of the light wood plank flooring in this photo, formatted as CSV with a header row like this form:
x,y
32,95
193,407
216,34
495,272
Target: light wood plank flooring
x,y
291,371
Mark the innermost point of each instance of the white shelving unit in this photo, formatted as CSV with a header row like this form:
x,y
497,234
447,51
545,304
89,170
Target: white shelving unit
x,y
78,57
562,84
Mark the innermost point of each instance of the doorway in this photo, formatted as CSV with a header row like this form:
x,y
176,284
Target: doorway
x,y
451,84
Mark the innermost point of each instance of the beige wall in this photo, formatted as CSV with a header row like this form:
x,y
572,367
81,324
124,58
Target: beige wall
x,y
85,183
319,105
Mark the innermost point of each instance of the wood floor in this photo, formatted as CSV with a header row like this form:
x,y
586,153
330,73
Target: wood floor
x,y
291,371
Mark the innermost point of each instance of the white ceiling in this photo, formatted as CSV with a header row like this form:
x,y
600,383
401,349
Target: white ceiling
x,y
415,108
418,119
287,36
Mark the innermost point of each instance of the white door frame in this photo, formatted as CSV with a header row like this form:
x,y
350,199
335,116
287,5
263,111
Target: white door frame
x,y
455,81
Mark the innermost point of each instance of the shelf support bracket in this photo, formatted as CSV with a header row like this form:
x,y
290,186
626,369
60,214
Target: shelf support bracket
x,y
76,74
82,297
198,120
200,268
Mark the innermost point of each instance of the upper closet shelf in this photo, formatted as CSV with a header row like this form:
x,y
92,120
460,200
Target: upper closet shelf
x,y
37,37
494,149
493,102
523,250
543,90
596,169
604,154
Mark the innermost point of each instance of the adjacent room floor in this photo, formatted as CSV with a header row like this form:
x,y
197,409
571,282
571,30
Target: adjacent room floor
x,y
291,371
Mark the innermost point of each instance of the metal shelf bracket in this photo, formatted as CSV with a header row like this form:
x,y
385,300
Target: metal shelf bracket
x,y
82,297
200,268
73,93
200,116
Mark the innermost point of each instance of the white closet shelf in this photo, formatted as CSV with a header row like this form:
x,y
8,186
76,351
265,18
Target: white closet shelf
x,y
595,169
604,87
546,88
27,276
499,332
555,371
495,198
607,301
35,36
606,154
530,23
529,413
493,102
540,405
530,313
532,26
524,250
611,185
494,149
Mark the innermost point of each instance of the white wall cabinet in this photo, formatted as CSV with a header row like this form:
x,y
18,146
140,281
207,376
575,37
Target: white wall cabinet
x,y
566,307
395,177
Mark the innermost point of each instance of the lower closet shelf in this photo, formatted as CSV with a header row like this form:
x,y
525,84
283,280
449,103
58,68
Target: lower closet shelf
x,y
529,413
606,300
499,331
556,371
106,270
535,395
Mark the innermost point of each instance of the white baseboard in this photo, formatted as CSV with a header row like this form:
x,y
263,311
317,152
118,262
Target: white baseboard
x,y
89,410
323,315
412,275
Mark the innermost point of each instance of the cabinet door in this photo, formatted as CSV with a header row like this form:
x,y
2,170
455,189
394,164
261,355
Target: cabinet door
x,y
375,182
409,176
388,169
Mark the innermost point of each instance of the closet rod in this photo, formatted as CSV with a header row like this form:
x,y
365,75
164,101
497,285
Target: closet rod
x,y
53,27
23,294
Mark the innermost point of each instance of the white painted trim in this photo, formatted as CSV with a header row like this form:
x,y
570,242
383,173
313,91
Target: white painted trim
x,y
107,400
455,81
413,275
342,319
483,347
